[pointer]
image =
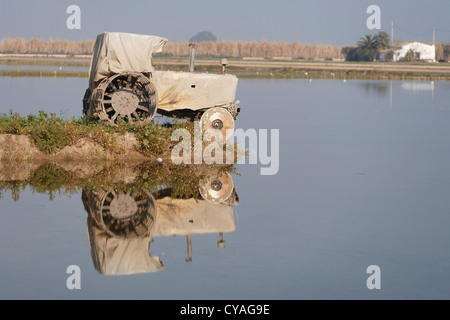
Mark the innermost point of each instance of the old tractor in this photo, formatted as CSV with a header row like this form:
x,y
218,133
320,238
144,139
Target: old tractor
x,y
123,85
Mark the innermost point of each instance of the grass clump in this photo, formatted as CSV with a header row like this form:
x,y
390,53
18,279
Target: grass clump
x,y
46,131
51,133
156,139
153,139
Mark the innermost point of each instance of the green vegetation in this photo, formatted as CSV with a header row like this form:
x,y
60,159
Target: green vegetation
x,y
156,139
48,132
367,47
51,133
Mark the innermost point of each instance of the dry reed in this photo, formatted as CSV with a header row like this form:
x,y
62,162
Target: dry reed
x,y
253,49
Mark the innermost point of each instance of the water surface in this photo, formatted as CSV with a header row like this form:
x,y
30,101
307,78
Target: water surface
x,y
363,180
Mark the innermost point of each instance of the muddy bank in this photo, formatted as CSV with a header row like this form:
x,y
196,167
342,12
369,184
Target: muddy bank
x,y
19,148
121,148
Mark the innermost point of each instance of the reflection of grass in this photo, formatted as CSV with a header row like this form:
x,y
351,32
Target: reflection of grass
x,y
49,179
181,180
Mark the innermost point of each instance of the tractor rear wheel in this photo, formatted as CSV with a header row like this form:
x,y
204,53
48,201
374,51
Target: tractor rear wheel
x,y
130,97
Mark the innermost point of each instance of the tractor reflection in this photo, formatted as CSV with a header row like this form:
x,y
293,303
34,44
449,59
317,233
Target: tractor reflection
x,y
123,221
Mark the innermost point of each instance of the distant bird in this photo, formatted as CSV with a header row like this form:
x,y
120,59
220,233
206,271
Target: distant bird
x,y
345,81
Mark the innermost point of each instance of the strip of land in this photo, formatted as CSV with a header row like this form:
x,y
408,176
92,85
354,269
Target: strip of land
x,y
248,68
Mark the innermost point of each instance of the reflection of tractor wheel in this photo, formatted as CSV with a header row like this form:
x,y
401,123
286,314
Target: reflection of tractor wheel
x,y
127,214
217,189
218,119
130,97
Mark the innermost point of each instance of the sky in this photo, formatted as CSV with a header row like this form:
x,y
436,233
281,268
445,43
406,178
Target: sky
x,y
335,22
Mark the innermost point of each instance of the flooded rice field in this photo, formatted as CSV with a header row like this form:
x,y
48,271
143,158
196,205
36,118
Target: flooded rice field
x,y
357,205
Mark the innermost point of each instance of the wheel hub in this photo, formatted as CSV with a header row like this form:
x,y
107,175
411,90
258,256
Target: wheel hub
x,y
217,124
125,101
123,206
216,185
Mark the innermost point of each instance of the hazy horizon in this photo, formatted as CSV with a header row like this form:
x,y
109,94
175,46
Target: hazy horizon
x,y
337,23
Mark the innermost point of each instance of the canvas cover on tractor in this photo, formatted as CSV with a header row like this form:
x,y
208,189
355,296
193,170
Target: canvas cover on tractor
x,y
195,91
192,216
121,256
118,52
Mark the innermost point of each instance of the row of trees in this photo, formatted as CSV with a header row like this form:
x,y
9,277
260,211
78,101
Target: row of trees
x,y
365,50
262,49
39,46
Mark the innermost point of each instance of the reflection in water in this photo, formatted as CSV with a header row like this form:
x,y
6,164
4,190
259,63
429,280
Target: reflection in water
x,y
119,231
378,87
126,211
121,223
421,86
382,88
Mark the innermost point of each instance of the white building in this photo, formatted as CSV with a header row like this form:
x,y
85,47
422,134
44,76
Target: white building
x,y
422,52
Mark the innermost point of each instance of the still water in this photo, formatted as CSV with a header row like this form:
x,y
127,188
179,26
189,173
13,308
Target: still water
x,y
363,179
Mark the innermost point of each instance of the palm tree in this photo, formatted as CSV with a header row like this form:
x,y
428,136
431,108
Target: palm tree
x,y
367,42
382,40
367,47
366,50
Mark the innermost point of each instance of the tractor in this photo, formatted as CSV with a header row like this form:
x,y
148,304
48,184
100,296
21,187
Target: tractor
x,y
124,85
